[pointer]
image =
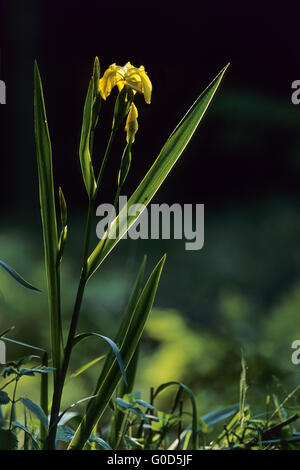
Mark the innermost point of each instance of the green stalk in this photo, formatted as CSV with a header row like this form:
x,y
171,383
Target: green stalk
x,y
13,404
44,396
84,271
59,385
104,161
81,287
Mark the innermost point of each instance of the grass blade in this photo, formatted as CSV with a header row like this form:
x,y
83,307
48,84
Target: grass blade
x,y
112,344
19,343
17,276
44,395
84,147
243,389
219,415
86,366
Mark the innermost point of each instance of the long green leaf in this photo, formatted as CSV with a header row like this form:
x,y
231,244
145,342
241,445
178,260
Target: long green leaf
x,y
129,344
112,344
218,415
100,442
17,276
84,147
48,215
167,158
44,394
19,343
86,366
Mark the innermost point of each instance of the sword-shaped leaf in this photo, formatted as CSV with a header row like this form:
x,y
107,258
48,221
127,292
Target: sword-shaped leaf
x,y
17,276
48,215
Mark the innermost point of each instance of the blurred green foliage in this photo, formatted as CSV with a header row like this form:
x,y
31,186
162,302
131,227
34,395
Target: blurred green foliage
x,y
241,292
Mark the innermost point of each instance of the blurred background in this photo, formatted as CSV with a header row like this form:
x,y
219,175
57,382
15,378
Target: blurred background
x,y
242,290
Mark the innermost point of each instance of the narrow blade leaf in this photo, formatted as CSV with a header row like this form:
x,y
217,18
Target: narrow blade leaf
x,y
17,276
85,367
9,340
100,442
48,215
112,344
84,147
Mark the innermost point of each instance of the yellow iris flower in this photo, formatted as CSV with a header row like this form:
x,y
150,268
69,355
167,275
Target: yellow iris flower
x,y
131,124
135,78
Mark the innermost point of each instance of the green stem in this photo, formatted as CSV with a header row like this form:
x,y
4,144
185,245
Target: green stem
x,y
104,161
111,219
81,287
59,383
8,383
13,404
44,396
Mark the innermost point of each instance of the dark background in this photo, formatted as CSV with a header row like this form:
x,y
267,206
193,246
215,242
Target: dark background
x,y
237,157
243,289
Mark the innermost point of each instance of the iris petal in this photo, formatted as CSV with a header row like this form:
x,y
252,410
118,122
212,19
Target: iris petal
x,y
147,86
135,78
110,78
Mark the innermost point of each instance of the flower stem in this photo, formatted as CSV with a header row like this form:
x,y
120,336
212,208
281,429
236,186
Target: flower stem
x,y
59,383
13,402
104,161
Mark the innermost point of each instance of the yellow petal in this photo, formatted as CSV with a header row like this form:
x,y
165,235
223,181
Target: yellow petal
x,y
120,85
135,83
147,86
110,78
135,78
127,67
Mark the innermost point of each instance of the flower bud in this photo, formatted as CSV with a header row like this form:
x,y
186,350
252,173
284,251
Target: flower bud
x,y
131,124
